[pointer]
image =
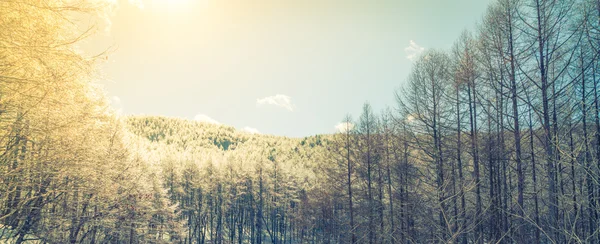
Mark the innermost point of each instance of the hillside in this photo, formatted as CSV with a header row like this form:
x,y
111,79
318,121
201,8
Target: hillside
x,y
226,179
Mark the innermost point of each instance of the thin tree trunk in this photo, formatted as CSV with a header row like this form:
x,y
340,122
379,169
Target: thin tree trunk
x,y
463,238
349,184
517,130
534,178
547,139
475,152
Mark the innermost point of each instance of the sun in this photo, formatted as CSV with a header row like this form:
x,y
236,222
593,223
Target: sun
x,y
171,3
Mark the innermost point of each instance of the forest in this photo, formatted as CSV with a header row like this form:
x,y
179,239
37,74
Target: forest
x,y
496,140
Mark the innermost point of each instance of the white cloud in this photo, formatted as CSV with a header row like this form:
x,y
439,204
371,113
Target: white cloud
x,y
204,118
250,130
344,127
413,50
279,100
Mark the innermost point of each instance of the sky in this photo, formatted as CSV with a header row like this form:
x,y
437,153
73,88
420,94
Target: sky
x,y
283,67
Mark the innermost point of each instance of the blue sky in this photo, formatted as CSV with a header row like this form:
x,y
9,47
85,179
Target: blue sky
x,y
291,68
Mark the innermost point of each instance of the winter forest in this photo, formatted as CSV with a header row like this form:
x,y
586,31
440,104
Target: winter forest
x,y
496,140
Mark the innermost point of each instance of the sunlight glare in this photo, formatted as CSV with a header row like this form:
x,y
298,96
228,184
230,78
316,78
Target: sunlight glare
x,y
171,3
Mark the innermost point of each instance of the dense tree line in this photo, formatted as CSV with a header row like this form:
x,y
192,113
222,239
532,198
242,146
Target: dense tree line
x,y
496,140
258,189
